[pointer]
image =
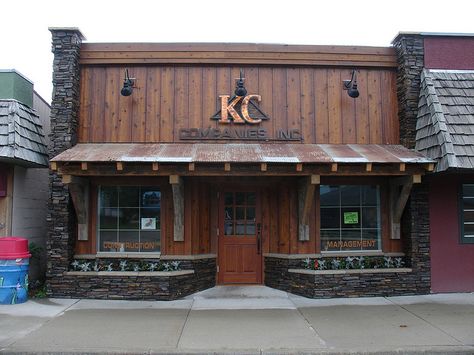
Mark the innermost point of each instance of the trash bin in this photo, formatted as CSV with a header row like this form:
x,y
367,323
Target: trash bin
x,y
14,264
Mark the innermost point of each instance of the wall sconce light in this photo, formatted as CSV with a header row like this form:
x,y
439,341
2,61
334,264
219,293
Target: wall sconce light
x,y
240,89
351,85
127,85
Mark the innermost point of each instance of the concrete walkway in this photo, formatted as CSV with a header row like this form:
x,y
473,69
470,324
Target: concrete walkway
x,y
242,320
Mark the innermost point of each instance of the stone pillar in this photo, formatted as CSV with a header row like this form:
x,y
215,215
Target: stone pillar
x,y
66,45
410,57
415,221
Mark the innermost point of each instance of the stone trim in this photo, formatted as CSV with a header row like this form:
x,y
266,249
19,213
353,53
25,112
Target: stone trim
x,y
131,273
349,271
143,256
330,255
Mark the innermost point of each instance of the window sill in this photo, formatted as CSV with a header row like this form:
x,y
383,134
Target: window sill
x,y
349,271
130,273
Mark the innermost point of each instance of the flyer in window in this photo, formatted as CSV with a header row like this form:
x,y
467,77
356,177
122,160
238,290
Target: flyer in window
x,y
148,223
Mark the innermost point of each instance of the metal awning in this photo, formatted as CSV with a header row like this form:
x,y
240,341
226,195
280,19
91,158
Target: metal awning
x,y
277,153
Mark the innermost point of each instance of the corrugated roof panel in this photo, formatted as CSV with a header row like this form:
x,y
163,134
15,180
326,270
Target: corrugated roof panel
x,y
239,153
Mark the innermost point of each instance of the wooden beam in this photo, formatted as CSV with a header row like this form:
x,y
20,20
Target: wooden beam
x,y
416,178
191,167
174,179
402,167
315,179
398,200
53,165
227,167
154,166
430,167
83,165
334,167
306,188
119,166
177,187
263,167
299,167
109,169
368,167
79,191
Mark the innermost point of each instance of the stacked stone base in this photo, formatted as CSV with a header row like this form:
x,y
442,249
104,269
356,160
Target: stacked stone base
x,y
331,285
121,287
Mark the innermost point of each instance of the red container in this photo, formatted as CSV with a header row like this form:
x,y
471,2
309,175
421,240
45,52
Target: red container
x,y
14,248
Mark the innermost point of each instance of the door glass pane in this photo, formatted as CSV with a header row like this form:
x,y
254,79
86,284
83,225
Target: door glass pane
x,y
251,228
251,198
240,198
250,214
229,228
229,198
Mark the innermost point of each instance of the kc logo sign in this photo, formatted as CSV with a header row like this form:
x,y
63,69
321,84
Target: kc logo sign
x,y
240,108
231,107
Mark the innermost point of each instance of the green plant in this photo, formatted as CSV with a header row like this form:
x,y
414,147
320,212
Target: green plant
x,y
35,250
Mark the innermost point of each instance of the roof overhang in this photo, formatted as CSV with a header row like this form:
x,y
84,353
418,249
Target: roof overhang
x,y
239,159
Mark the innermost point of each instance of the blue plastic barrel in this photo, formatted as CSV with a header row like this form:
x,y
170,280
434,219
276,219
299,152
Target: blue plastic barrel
x,y
14,265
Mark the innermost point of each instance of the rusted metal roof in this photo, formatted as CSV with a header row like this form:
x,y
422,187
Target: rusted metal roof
x,y
240,153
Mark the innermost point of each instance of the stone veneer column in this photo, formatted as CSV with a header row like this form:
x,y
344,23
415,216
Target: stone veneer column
x,y
66,45
410,57
415,221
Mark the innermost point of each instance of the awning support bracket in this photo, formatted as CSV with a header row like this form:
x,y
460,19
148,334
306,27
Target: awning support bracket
x,y
398,200
79,191
177,187
306,188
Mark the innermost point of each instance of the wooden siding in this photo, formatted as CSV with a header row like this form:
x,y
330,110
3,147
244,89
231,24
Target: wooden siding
x,y
221,53
169,98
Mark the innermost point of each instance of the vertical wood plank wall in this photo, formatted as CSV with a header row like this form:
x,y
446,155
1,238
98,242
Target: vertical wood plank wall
x,y
279,218
168,98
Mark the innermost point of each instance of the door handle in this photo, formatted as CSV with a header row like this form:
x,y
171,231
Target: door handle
x,y
259,238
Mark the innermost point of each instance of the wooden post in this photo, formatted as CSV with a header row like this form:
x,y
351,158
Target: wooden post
x,y
306,188
177,187
79,191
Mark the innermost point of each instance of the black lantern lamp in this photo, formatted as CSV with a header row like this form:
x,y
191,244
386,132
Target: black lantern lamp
x,y
240,90
351,85
127,85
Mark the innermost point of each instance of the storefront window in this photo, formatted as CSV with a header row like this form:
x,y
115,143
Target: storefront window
x,y
129,219
350,217
467,230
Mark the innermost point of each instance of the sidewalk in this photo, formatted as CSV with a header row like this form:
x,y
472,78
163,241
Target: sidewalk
x,y
242,320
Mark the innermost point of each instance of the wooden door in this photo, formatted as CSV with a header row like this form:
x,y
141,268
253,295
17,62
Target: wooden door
x,y
240,248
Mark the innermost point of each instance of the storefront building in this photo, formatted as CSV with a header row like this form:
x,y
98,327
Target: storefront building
x,y
443,77
178,167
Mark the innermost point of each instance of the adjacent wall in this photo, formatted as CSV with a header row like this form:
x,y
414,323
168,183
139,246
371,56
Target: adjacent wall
x,y
452,267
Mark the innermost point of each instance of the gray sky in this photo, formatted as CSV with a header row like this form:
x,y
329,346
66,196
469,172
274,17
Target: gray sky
x,y
26,41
